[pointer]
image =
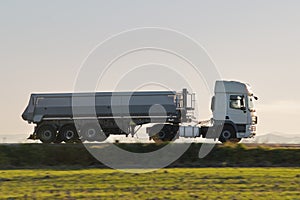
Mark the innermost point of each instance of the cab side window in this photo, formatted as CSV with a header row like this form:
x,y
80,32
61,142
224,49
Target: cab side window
x,y
236,102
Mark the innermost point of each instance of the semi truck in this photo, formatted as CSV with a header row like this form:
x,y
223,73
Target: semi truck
x,y
168,115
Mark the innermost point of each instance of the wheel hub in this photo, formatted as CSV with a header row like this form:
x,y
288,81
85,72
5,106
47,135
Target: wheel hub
x,y
47,134
226,134
161,134
91,133
69,134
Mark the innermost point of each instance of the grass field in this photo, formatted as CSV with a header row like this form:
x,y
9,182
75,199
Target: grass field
x,y
173,183
70,156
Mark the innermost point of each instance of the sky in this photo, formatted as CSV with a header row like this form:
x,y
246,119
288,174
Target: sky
x,y
44,43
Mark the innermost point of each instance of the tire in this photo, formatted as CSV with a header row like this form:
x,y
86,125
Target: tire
x,y
58,139
159,137
228,134
68,134
46,133
163,134
93,132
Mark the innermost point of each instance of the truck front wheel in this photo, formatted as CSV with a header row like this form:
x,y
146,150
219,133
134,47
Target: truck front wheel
x,y
228,134
46,133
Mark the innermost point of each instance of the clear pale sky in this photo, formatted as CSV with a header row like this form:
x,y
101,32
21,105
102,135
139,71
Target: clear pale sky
x,y
43,43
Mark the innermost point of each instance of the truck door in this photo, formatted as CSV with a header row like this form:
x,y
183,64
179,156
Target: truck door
x,y
237,111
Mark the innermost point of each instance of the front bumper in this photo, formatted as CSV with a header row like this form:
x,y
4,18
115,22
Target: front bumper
x,y
249,133
251,130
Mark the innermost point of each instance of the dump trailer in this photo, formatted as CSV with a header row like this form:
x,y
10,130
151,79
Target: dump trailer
x,y
78,117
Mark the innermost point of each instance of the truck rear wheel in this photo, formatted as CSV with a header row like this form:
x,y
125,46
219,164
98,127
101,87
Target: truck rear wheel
x,y
159,137
163,134
228,134
46,133
68,134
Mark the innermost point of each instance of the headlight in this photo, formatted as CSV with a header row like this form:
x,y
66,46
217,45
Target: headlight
x,y
254,119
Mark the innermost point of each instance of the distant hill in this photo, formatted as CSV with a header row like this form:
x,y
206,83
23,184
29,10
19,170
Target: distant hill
x,y
274,137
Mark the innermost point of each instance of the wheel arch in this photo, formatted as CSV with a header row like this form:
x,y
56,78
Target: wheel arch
x,y
227,123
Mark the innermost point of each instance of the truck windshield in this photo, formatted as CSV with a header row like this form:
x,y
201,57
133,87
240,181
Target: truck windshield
x,y
250,103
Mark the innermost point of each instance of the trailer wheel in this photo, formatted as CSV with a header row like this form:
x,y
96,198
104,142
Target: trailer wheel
x,y
228,134
58,139
68,134
46,133
93,132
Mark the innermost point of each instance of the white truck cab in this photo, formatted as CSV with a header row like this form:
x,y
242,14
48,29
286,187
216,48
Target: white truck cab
x,y
233,106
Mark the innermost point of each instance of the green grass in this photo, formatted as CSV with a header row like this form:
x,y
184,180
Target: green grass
x,y
173,183
70,156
